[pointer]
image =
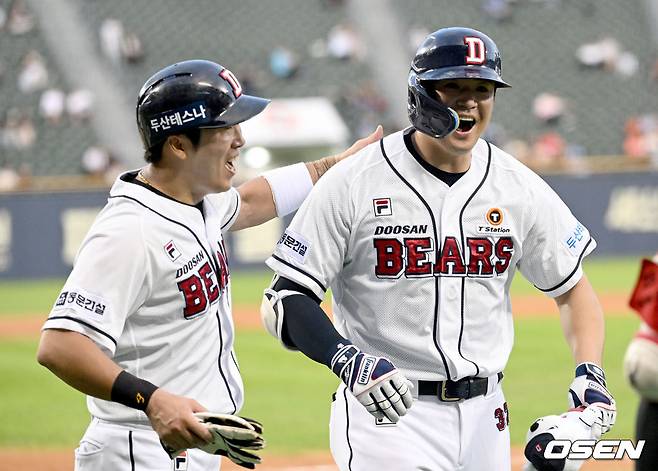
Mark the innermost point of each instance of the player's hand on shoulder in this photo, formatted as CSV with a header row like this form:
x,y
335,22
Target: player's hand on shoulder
x,y
376,135
589,389
172,418
374,381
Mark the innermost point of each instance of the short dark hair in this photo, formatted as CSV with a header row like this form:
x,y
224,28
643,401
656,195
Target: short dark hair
x,y
154,154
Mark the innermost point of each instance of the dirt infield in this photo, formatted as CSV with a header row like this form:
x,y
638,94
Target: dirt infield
x,y
247,317
30,460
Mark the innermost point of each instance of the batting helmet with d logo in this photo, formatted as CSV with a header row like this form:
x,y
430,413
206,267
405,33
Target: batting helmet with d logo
x,y
449,53
192,94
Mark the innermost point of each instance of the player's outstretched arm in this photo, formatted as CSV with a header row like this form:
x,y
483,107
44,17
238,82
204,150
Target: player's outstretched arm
x,y
583,325
80,363
292,313
77,361
317,168
582,321
281,191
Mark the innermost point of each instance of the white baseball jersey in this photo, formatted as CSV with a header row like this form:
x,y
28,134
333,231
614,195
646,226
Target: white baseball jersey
x,y
150,286
420,271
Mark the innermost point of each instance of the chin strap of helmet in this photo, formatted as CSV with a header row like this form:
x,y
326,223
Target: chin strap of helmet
x,y
428,115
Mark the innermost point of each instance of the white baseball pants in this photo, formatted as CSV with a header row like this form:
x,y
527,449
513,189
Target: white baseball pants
x,y
108,446
470,435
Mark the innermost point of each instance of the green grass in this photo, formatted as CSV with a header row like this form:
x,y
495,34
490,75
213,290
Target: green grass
x,y
37,409
616,275
290,393
28,297
247,287
536,382
612,274
541,368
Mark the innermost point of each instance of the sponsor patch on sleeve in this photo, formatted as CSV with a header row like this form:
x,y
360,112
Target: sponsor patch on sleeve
x,y
81,302
576,239
294,245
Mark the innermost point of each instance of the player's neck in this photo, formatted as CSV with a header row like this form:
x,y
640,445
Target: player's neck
x,y
435,153
168,181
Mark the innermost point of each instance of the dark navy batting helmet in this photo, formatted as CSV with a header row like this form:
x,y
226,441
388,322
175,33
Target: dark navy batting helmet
x,y
449,53
192,94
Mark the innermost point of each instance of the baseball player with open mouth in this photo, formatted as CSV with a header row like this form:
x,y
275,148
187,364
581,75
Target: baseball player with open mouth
x,y
419,239
143,324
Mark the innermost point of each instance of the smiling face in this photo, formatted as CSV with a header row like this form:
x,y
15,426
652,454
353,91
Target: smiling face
x,y
473,100
211,166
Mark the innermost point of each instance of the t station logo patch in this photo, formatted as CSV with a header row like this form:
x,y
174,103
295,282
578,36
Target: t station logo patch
x,y
494,219
382,206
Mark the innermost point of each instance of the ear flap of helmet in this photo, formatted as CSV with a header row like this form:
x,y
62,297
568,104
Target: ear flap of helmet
x,y
427,114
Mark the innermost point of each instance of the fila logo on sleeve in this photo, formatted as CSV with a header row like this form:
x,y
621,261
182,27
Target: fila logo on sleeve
x,y
382,206
180,462
172,251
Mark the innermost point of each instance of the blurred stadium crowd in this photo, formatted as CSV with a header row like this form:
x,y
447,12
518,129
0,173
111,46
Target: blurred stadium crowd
x,y
584,73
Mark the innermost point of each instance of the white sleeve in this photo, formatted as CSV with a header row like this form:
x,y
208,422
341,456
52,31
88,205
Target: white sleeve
x,y
312,249
226,205
556,244
109,281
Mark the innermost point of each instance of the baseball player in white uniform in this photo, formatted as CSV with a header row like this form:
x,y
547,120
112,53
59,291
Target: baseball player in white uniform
x,y
419,238
143,323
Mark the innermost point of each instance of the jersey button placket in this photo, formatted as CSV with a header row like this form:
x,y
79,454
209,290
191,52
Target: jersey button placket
x,y
449,291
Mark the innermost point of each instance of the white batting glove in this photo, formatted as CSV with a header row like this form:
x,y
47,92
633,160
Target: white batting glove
x,y
573,425
232,436
589,388
374,381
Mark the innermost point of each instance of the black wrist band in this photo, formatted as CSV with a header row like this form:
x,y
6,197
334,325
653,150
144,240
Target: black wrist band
x,y
132,391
